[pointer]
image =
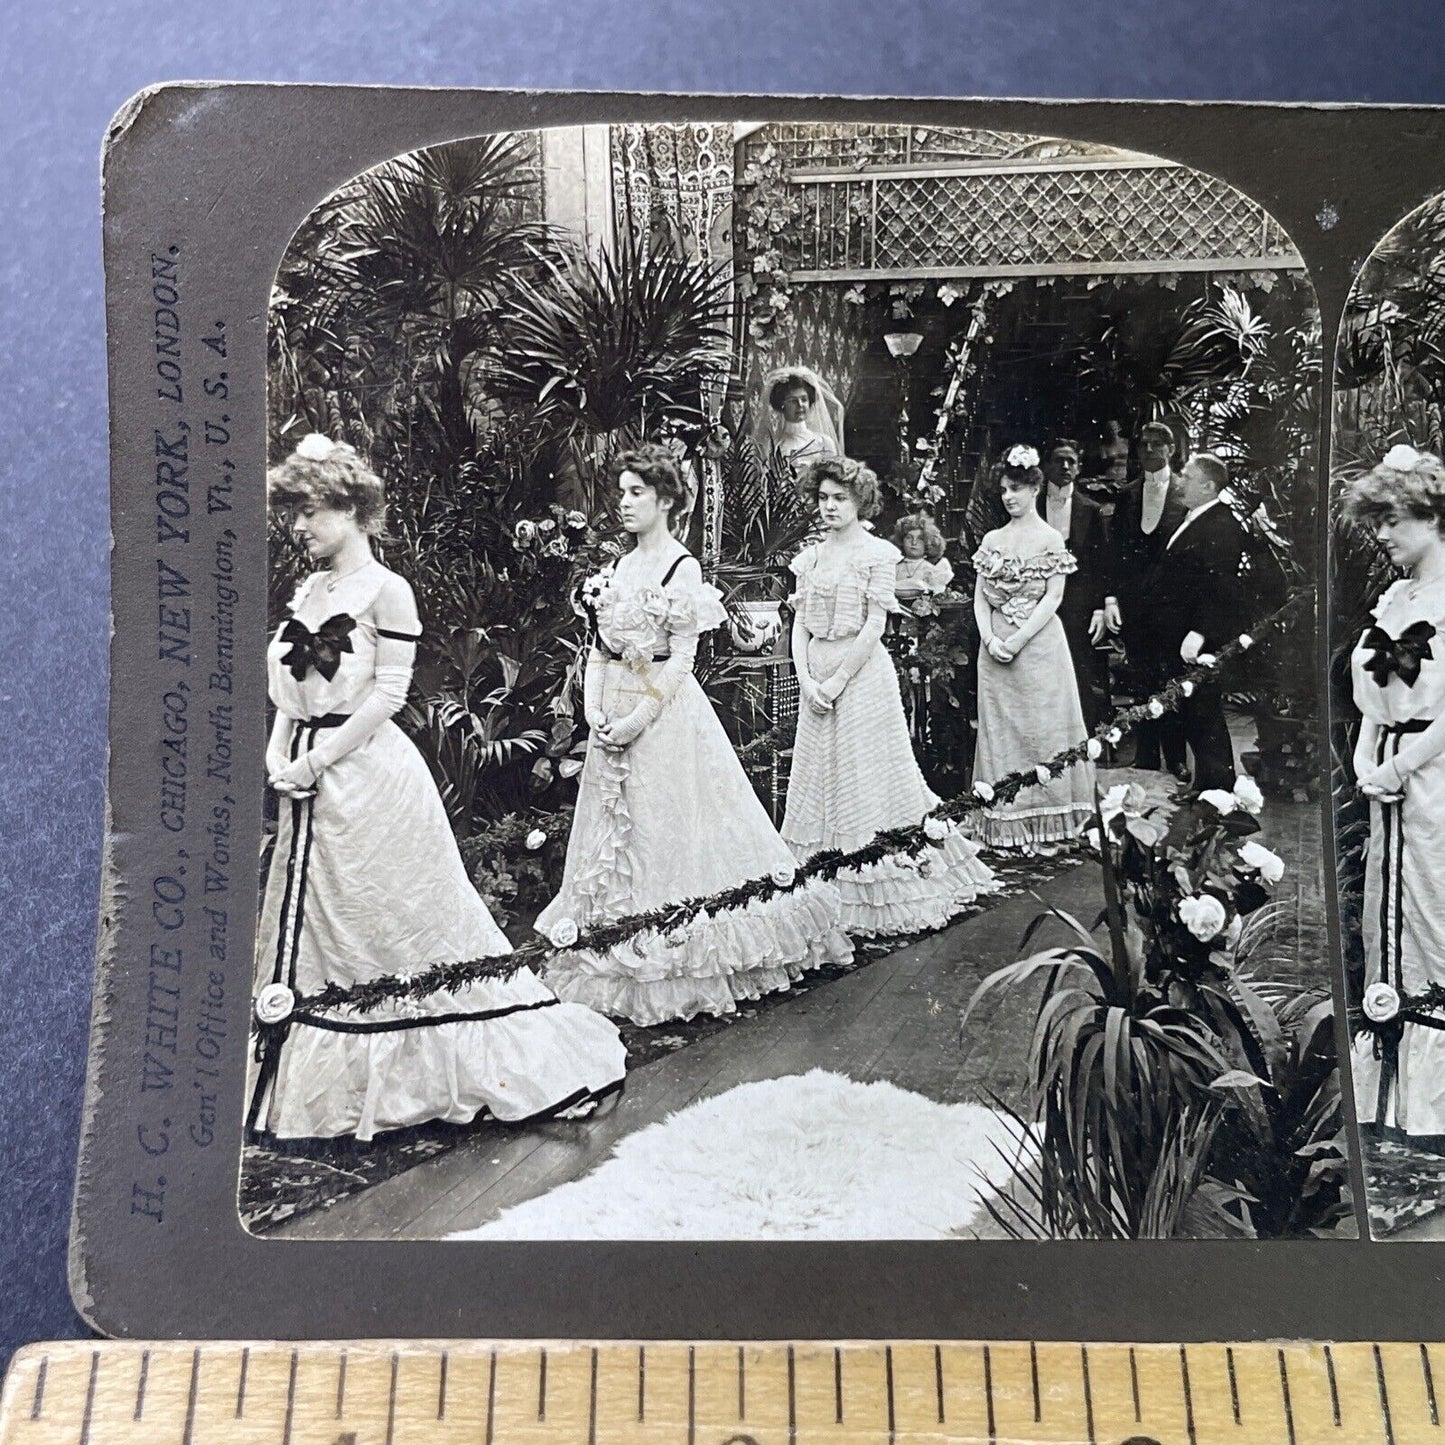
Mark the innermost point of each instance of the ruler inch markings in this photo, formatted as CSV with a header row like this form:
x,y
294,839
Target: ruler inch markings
x,y
37,1404
1334,1385
140,1385
1384,1395
426,1393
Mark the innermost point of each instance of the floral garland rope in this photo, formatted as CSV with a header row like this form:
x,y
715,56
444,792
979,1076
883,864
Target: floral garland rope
x,y
276,1007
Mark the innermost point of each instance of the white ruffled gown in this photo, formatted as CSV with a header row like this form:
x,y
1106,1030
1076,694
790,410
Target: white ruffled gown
x,y
853,773
670,817
365,883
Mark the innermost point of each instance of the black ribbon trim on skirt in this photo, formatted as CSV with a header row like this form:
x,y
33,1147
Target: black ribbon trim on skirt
x,y
423,1021
298,861
1392,896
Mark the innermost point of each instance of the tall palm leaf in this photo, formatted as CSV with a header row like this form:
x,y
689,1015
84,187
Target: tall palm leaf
x,y
608,349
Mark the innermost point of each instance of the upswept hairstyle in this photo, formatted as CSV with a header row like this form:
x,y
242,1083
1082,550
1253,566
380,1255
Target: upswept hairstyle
x,y
1406,482
340,481
790,381
657,467
856,477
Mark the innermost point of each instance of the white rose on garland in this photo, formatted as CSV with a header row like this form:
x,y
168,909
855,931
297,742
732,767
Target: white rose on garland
x,y
535,839
1203,915
1381,1003
275,1004
936,829
563,933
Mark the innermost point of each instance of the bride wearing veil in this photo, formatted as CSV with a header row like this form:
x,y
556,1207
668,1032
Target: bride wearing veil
x,y
804,419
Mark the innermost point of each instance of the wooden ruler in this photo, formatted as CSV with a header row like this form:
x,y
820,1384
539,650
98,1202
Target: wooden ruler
x,y
475,1393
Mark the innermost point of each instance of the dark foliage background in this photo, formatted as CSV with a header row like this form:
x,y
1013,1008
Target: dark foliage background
x,y
66,67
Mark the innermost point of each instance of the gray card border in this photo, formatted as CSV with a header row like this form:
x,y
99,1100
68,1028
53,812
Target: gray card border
x,y
224,173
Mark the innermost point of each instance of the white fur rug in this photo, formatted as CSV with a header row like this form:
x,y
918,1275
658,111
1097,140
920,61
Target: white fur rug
x,y
811,1156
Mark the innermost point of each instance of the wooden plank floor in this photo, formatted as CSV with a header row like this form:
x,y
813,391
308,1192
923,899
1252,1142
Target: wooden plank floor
x,y
896,1019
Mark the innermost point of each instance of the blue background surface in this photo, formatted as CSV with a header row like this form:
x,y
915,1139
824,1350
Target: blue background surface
x,y
68,67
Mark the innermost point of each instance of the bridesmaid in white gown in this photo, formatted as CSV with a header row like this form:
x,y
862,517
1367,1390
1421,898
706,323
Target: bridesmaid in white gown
x,y
366,881
853,773
664,809
1398,669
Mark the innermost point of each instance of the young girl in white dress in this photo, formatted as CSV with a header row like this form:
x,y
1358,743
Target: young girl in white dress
x,y
664,809
853,773
1398,671
366,881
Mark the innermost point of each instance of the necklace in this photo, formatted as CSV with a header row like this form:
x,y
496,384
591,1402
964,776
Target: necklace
x,y
333,579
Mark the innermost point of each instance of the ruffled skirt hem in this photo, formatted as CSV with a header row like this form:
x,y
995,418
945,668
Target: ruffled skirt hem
x,y
532,1063
918,893
710,965
1030,830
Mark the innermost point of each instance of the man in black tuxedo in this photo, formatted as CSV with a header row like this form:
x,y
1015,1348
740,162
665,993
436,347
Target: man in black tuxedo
x,y
1206,581
1089,590
1147,515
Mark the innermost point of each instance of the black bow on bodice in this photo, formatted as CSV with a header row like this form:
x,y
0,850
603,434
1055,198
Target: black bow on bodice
x,y
321,649
1401,654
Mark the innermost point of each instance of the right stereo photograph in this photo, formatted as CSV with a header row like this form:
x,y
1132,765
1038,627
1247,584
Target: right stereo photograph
x,y
1388,709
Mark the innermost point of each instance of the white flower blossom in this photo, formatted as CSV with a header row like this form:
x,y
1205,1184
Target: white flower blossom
x,y
935,828
1114,736
274,1003
1381,1003
983,791
535,839
1206,659
1042,773
1246,790
1156,708
1187,688
1219,800
1245,641
1269,866
784,877
1401,458
315,447
1094,748
1203,915
1022,457
563,933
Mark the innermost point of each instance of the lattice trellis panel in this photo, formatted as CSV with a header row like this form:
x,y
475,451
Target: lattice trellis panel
x,y
813,145
1124,216
678,178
